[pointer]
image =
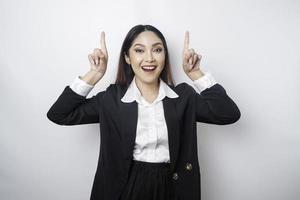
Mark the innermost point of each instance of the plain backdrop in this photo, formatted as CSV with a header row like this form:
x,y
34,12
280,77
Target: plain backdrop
x,y
251,48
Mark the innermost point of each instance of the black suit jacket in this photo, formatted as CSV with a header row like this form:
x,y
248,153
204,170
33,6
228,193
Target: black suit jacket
x,y
118,121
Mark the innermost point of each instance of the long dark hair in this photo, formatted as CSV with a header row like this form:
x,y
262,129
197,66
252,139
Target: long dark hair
x,y
125,73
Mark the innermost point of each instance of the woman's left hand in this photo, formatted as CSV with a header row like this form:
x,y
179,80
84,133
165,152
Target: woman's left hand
x,y
191,60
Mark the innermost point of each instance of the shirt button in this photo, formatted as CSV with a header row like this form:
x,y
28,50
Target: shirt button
x,y
175,176
188,166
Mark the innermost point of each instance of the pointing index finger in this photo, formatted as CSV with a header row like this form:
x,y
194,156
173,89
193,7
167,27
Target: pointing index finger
x,y
186,40
102,42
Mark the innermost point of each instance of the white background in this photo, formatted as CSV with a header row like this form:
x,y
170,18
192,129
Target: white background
x,y
251,47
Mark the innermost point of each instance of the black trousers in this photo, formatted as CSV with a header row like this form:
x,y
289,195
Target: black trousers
x,y
149,181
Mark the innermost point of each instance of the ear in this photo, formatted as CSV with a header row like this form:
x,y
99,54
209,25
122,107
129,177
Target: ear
x,y
127,59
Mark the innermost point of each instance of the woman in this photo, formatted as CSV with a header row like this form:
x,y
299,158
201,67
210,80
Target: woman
x,y
148,126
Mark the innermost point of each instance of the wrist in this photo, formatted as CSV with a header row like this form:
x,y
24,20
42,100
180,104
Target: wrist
x,y
92,77
195,75
95,73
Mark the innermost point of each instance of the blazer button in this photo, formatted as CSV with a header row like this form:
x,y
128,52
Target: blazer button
x,y
188,166
175,176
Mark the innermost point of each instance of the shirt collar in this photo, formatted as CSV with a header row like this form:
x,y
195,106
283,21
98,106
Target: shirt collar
x,y
134,94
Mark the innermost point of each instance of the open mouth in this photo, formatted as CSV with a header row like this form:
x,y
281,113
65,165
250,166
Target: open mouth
x,y
149,68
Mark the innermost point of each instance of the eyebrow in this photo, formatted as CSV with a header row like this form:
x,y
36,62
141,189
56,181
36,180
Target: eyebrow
x,y
152,44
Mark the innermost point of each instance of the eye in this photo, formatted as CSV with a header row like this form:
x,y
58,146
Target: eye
x,y
138,50
159,49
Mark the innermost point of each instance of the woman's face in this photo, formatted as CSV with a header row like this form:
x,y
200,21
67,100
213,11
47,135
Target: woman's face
x,y
146,57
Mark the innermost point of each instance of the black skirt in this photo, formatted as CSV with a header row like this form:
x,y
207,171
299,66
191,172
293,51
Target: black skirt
x,y
149,181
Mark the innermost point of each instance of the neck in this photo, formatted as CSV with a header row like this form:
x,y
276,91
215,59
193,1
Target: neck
x,y
148,90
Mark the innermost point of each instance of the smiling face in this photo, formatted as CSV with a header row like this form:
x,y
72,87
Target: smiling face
x,y
146,57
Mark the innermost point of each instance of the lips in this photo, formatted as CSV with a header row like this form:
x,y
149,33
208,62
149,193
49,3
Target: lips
x,y
149,68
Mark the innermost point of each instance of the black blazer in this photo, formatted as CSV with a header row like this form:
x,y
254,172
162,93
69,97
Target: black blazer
x,y
118,121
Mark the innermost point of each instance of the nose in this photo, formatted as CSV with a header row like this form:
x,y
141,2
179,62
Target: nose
x,y
149,56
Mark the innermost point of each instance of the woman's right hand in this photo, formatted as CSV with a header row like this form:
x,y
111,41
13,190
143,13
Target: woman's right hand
x,y
98,59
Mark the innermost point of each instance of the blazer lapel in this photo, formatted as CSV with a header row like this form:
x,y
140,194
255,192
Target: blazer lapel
x,y
173,129
129,116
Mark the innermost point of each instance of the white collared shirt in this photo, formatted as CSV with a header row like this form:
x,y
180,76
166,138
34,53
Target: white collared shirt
x,y
151,142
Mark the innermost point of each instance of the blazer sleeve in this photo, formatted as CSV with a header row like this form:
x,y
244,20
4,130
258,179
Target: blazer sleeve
x,y
214,106
73,109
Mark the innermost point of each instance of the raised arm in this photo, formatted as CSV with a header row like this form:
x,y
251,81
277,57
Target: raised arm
x,y
212,104
72,107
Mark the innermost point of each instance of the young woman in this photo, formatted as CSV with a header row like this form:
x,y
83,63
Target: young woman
x,y
148,126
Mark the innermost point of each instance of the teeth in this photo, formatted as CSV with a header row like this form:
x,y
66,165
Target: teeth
x,y
148,67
